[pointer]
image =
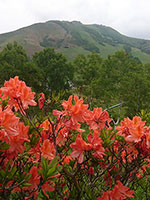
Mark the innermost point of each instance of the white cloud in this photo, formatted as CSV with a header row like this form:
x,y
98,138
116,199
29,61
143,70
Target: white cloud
x,y
13,15
130,17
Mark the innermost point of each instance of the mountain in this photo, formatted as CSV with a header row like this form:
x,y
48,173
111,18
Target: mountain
x,y
72,38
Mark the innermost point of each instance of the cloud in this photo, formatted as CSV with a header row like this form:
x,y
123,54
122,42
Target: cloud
x,y
13,15
130,17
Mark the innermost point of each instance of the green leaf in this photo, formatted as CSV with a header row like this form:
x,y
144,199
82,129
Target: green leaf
x,y
11,174
7,166
27,184
59,168
4,146
43,162
147,170
51,171
2,173
2,127
112,141
27,177
54,162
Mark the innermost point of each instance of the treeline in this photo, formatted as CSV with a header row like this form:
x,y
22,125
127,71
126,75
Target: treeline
x,y
120,78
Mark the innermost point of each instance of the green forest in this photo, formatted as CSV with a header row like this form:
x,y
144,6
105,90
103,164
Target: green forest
x,y
119,79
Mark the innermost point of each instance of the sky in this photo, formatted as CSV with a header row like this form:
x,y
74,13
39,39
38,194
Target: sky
x,y
129,17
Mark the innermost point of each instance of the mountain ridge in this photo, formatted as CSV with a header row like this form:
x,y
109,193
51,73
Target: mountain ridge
x,y
72,38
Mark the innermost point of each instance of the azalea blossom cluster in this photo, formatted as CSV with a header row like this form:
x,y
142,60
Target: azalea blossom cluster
x,y
14,132
119,192
69,154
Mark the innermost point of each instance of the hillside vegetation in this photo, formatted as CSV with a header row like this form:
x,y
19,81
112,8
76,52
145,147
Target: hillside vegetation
x,y
72,38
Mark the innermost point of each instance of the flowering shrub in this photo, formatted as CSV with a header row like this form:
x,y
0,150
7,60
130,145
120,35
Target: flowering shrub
x,y
71,154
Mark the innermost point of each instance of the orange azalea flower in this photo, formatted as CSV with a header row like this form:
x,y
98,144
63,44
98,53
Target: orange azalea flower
x,y
34,181
98,119
123,190
91,170
58,113
67,104
147,165
67,160
41,100
136,130
78,147
132,130
147,134
18,93
123,130
47,129
105,196
8,123
70,125
96,143
48,186
48,150
46,125
17,142
35,178
119,192
77,111
35,150
61,135
129,154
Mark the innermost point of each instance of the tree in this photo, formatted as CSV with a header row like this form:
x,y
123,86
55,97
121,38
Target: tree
x,y
58,73
12,59
33,76
123,80
14,62
13,54
87,71
87,68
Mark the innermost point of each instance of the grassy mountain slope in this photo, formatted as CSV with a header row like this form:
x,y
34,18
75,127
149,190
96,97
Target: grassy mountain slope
x,y
72,38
